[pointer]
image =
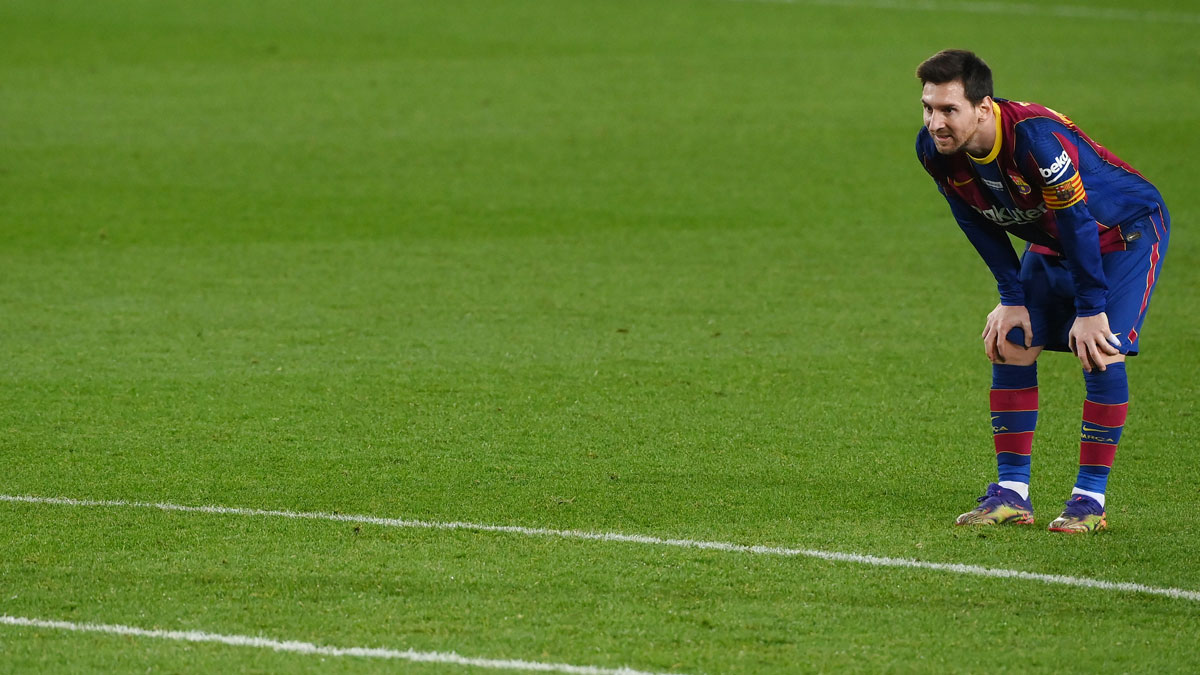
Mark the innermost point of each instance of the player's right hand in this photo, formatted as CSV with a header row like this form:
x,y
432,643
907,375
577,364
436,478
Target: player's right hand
x,y
1000,321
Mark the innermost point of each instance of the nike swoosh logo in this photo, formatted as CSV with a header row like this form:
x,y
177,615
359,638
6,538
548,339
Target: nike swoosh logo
x,y
1097,431
958,184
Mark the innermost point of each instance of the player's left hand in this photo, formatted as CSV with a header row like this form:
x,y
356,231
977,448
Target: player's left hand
x,y
1091,340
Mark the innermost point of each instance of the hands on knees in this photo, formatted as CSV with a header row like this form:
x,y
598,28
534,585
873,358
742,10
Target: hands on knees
x,y
996,346
1093,343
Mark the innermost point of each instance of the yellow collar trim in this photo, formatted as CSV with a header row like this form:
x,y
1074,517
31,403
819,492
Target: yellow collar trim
x,y
991,156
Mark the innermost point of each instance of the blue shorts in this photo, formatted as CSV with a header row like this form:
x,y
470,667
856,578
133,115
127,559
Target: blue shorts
x,y
1131,275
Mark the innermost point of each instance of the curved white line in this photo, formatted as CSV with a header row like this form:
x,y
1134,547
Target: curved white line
x,y
321,650
1021,8
878,561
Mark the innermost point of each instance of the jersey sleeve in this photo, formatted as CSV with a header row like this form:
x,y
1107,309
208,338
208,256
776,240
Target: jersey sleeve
x,y
989,240
1053,150
994,247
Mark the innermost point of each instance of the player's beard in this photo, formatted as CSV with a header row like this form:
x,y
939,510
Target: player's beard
x,y
953,144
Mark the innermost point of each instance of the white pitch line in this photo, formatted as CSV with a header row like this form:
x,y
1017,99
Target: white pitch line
x,y
320,650
834,556
1022,8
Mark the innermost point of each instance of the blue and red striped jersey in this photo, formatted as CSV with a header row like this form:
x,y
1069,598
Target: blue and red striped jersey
x,y
1045,182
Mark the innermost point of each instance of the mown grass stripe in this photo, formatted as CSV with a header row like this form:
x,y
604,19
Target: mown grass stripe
x,y
833,556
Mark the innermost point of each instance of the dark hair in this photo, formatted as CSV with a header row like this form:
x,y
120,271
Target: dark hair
x,y
949,65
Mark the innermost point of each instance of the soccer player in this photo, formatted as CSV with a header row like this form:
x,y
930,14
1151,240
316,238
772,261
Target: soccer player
x,y
1095,234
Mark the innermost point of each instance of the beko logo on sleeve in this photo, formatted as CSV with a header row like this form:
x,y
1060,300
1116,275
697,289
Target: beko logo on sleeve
x,y
1057,169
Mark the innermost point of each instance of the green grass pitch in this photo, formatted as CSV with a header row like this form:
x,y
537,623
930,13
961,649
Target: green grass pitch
x,y
661,267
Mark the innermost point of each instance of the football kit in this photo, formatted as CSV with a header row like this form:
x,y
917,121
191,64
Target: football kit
x,y
1096,233
1096,228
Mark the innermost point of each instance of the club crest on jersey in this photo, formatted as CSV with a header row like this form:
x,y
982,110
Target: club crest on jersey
x,y
1057,169
1022,186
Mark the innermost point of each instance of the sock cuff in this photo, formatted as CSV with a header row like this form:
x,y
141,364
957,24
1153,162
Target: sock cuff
x,y
1005,376
1107,387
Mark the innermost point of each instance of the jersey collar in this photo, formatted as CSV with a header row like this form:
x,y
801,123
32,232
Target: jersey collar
x,y
991,156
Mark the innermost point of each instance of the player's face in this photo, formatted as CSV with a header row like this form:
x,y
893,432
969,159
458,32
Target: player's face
x,y
951,119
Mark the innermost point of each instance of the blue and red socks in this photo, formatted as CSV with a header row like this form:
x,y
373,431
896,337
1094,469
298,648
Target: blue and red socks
x,y
1104,413
1014,404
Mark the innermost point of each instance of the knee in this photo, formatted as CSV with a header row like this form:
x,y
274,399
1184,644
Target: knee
x,y
1016,355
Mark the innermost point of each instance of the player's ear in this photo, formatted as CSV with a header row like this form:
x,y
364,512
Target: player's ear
x,y
985,109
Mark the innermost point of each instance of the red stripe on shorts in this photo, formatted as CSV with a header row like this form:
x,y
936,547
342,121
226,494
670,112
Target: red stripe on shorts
x,y
1155,256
